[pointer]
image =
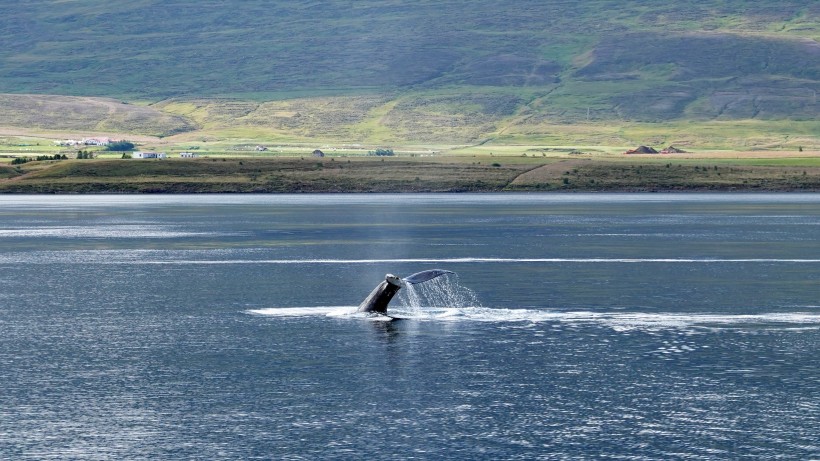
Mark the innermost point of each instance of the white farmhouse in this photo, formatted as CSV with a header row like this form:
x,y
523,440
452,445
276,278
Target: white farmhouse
x,y
188,155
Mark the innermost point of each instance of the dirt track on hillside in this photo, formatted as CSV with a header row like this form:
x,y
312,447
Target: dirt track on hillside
x,y
21,132
546,173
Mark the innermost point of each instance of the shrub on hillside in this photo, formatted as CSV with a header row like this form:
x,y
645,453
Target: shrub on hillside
x,y
120,146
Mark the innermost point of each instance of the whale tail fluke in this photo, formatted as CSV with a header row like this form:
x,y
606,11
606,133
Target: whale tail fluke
x,y
425,276
381,295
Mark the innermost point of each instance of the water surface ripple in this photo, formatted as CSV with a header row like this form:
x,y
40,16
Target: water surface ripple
x,y
584,326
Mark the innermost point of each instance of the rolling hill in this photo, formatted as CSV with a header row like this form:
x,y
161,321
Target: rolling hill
x,y
424,71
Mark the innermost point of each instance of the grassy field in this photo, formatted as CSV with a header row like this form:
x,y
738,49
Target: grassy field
x,y
449,76
551,92
670,175
483,120
429,72
256,49
259,175
412,174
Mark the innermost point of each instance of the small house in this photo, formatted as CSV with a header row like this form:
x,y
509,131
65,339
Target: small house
x,y
188,155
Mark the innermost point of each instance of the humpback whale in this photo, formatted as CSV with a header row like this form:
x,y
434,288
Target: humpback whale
x,y
380,297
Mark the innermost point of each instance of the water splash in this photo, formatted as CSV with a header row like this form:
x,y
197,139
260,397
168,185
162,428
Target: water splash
x,y
444,291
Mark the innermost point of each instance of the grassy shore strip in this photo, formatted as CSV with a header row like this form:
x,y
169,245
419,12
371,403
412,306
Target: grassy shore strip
x,y
722,175
260,175
445,174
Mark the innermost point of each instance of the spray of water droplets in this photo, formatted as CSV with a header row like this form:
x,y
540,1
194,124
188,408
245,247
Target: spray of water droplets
x,y
441,292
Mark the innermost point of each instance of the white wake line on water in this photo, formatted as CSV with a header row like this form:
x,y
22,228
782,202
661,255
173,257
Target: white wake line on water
x,y
615,320
486,260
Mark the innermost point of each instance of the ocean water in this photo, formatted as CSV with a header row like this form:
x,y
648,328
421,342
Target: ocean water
x,y
583,326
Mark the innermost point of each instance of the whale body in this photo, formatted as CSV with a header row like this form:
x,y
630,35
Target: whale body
x,y
380,297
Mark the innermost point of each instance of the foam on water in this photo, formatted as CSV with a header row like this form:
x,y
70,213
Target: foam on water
x,y
245,256
240,257
445,299
486,260
618,321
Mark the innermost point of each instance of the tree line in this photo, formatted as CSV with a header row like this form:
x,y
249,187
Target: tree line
x,y
381,152
22,160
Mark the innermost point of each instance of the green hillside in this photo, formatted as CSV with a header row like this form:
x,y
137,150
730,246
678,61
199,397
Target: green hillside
x,y
424,71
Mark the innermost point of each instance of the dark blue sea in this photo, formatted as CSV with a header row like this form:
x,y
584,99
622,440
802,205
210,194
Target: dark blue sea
x,y
583,326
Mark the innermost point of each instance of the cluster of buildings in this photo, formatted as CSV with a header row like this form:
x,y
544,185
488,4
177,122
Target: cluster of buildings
x,y
161,155
157,155
84,142
98,141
